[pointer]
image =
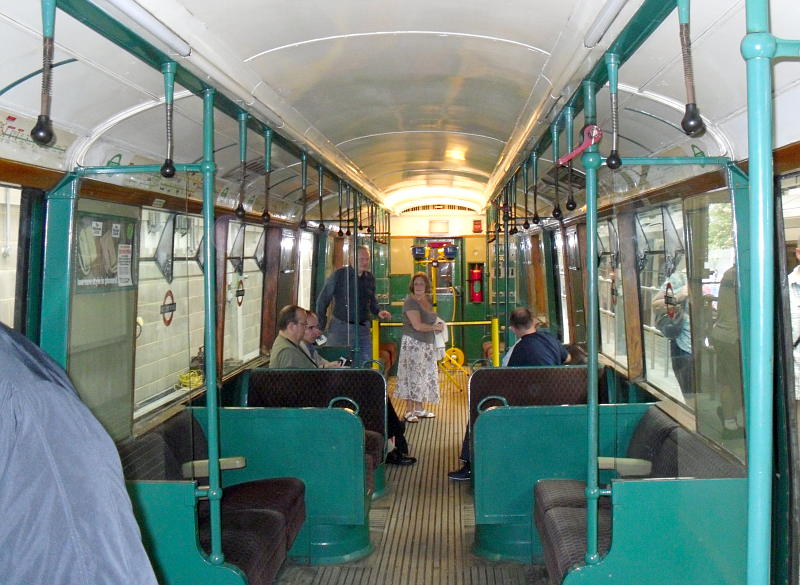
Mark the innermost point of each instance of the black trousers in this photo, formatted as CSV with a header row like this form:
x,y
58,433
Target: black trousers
x,y
396,429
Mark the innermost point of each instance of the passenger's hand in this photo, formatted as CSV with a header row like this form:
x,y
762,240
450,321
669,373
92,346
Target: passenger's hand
x,y
384,314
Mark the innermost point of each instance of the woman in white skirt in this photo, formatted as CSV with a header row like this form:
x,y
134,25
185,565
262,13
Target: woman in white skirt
x,y
417,379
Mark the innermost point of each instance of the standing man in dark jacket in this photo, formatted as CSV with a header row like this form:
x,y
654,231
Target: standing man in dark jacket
x,y
342,287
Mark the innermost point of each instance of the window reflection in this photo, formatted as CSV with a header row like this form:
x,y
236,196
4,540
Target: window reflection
x,y
612,320
561,262
715,320
663,281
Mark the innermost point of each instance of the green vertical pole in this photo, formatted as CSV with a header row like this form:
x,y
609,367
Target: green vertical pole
x,y
506,254
57,269
210,338
34,277
758,48
591,162
355,326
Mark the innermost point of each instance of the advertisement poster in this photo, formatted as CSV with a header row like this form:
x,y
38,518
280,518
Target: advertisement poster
x,y
105,253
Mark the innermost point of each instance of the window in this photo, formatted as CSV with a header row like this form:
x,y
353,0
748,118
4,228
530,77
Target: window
x,y
561,259
9,232
664,290
612,315
305,278
244,286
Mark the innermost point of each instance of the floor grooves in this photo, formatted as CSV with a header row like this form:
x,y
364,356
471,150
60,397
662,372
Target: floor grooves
x,y
423,528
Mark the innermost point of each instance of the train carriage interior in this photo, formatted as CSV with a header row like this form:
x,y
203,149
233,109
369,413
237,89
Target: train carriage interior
x,y
174,173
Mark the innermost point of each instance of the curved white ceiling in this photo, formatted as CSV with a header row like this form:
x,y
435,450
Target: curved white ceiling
x,y
411,100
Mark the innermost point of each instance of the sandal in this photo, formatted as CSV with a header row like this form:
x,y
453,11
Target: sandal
x,y
424,414
411,417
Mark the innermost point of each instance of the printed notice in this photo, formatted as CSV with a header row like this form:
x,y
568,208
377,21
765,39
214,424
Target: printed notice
x,y
124,255
105,253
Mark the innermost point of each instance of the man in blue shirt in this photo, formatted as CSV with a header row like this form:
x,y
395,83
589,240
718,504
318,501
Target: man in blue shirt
x,y
533,348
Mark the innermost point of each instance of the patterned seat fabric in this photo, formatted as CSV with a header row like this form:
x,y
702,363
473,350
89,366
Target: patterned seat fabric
x,y
316,388
559,504
564,539
253,540
537,386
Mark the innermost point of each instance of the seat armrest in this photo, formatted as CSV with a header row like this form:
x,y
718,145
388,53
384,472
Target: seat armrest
x,y
626,466
199,467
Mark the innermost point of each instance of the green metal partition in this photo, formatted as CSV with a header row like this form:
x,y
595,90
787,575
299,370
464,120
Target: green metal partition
x,y
547,442
324,447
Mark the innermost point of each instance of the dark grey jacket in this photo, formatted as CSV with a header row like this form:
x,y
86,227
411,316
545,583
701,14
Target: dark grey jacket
x,y
67,518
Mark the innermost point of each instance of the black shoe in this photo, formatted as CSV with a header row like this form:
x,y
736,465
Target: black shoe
x,y
463,474
395,457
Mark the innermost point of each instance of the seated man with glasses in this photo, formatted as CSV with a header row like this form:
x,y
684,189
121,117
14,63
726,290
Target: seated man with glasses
x,y
308,343
286,351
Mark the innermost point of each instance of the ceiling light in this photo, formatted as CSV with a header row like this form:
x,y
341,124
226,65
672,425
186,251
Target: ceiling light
x,y
607,14
152,25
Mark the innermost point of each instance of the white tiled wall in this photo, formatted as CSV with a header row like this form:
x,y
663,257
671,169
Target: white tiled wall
x,y
9,230
163,352
243,323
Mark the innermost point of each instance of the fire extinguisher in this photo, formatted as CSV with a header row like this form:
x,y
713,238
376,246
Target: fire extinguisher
x,y
476,283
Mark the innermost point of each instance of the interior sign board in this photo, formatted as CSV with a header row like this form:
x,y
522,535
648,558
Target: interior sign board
x,y
105,252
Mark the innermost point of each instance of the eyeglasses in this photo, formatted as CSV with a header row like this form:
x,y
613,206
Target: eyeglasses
x,y
303,324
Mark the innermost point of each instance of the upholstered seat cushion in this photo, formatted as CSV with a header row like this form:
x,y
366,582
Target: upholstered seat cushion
x,y
253,540
563,533
285,495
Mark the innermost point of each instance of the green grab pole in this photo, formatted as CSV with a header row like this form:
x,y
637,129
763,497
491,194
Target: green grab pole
x,y
243,116
569,114
48,18
356,313
787,48
34,276
683,11
209,334
758,48
57,269
591,161
554,140
497,263
506,255
168,69
135,169
676,160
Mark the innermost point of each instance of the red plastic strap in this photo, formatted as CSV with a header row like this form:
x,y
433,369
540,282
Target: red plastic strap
x,y
592,134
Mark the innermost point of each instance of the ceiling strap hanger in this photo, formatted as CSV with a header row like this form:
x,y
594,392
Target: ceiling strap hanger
x,y
303,186
557,213
692,122
320,175
535,180
612,63
42,133
168,69
526,185
568,130
341,232
243,116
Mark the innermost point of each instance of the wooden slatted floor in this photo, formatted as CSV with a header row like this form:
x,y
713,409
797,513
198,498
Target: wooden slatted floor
x,y
423,528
